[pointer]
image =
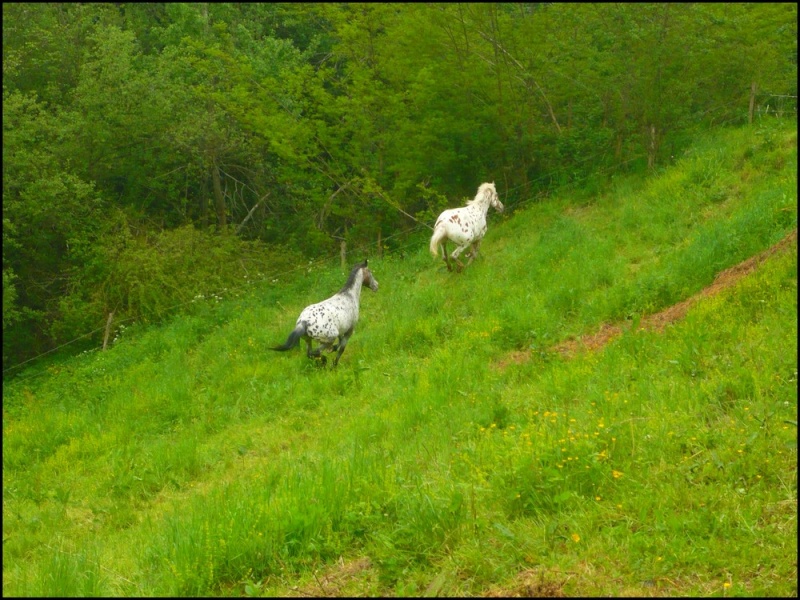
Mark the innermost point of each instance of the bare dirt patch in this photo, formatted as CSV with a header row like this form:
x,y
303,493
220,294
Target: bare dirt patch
x,y
529,584
657,321
336,581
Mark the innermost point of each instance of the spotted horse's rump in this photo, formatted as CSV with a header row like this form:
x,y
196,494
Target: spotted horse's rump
x,y
464,226
331,322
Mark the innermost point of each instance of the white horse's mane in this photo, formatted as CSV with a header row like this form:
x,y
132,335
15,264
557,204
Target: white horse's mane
x,y
482,195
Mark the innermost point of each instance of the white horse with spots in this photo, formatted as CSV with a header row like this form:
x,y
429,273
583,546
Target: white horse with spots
x,y
464,226
332,320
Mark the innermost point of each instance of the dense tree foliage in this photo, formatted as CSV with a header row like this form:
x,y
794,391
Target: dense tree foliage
x,y
153,151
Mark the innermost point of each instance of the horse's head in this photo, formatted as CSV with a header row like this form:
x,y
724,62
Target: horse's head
x,y
494,200
369,278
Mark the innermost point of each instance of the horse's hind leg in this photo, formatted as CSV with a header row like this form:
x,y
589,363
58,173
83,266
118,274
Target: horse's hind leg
x,y
315,354
454,256
445,255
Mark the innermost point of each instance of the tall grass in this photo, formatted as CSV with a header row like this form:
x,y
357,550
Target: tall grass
x,y
452,447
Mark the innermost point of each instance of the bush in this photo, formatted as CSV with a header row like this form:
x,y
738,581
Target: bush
x,y
144,277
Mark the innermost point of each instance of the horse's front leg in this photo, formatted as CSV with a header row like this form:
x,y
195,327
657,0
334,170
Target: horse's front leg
x,y
342,345
474,252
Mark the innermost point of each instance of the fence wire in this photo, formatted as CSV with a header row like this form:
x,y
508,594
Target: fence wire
x,y
408,233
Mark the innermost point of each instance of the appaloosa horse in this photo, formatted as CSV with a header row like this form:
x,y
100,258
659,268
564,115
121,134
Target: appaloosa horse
x,y
332,319
464,226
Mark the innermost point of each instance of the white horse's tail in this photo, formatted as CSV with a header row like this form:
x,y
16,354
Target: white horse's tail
x,y
436,239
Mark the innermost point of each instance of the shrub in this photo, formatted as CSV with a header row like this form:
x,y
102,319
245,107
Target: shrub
x,y
144,277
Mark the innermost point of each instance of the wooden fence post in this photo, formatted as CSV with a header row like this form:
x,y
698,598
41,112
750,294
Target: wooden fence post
x,y
108,329
343,254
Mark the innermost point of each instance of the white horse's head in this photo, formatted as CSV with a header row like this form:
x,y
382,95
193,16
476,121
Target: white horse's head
x,y
488,193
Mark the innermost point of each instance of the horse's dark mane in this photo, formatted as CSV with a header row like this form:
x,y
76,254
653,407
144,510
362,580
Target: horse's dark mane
x,y
351,280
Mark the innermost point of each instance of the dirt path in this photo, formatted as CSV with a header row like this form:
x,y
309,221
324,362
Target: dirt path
x,y
658,321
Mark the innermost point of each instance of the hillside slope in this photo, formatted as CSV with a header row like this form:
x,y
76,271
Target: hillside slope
x,y
190,460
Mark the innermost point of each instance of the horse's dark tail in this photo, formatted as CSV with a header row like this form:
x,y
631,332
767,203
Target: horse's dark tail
x,y
293,338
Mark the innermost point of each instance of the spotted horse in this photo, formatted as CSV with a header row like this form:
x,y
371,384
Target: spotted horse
x,y
464,226
331,322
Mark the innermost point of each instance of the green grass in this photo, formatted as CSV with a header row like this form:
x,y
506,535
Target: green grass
x,y
190,460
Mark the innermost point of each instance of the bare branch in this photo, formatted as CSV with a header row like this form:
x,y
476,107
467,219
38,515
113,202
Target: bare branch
x,y
526,76
252,210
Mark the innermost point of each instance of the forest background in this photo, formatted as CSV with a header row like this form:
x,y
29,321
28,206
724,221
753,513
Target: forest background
x,y
156,152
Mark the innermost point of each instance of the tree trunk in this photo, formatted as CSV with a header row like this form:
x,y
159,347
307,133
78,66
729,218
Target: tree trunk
x,y
752,102
569,114
651,149
203,202
219,199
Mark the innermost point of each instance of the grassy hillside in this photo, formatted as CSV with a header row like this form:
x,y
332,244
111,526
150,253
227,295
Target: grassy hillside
x,y
454,451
